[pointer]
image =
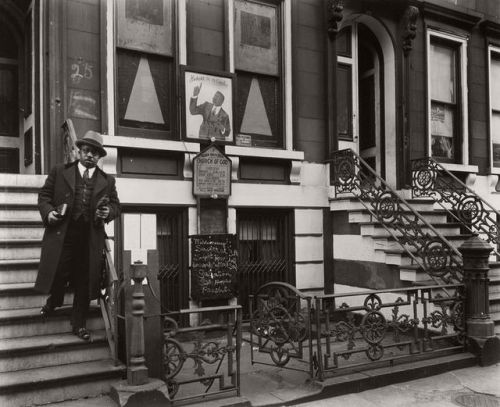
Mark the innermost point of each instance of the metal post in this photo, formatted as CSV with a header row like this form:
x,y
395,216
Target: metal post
x,y
481,337
137,372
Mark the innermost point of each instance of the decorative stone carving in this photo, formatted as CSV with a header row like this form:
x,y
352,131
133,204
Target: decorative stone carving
x,y
334,10
410,28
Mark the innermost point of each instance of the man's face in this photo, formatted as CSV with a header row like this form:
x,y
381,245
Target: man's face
x,y
88,156
218,99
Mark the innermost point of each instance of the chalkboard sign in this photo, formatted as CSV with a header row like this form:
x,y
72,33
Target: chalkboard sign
x,y
213,266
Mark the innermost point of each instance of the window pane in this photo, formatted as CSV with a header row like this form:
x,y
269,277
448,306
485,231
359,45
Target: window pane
x,y
344,101
495,82
495,137
257,110
443,73
144,91
442,128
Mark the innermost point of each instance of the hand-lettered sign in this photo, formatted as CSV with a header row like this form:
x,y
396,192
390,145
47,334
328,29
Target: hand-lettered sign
x,y
213,266
212,174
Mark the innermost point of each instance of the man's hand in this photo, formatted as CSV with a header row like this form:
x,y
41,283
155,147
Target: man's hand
x,y
102,212
196,90
53,217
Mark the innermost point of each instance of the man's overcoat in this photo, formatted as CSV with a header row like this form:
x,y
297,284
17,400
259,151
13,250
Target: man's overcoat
x,y
59,188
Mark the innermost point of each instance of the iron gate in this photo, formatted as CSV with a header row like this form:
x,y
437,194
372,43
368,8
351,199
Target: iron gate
x,y
172,251
265,250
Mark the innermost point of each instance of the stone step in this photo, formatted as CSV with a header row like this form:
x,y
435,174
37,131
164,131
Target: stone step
x,y
494,302
389,243
25,322
23,295
376,229
21,229
58,383
23,249
14,182
19,196
359,216
19,211
18,270
51,350
350,203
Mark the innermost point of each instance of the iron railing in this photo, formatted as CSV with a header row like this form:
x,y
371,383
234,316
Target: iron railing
x,y
361,328
431,179
351,331
280,322
424,244
214,349
108,301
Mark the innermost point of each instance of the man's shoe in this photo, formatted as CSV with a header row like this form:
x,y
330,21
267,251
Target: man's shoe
x,y
46,311
82,333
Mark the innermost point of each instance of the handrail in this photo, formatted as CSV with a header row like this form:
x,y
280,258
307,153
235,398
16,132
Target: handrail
x,y
471,210
431,250
108,302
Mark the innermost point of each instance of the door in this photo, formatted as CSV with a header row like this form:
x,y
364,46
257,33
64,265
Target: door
x,y
265,250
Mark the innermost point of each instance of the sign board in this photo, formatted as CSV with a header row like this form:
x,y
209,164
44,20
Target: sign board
x,y
211,173
214,260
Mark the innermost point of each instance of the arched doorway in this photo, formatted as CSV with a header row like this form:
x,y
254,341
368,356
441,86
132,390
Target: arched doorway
x,y
366,112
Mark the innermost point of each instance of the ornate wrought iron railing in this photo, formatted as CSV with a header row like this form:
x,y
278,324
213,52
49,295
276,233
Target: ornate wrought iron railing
x,y
338,332
214,349
424,244
280,323
108,301
387,326
431,179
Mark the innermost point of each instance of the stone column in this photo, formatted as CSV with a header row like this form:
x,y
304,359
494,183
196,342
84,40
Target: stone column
x,y
481,339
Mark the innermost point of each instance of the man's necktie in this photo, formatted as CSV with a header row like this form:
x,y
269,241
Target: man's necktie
x,y
86,174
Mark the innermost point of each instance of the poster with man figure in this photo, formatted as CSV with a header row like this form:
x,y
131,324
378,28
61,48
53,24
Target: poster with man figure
x,y
208,106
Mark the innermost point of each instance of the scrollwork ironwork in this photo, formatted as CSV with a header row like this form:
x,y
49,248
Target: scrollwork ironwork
x,y
431,179
421,241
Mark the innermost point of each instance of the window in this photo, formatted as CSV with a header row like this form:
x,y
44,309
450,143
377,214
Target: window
x,y
446,98
145,66
494,81
258,67
345,63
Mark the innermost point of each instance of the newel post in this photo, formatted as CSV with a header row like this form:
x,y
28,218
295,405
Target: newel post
x,y
139,389
481,339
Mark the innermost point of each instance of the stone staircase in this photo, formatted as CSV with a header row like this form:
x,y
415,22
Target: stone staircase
x,y
365,237
41,361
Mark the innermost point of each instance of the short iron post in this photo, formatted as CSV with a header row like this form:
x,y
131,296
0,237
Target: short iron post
x,y
481,337
137,372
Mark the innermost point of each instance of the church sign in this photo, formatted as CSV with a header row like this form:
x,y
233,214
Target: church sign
x,y
211,174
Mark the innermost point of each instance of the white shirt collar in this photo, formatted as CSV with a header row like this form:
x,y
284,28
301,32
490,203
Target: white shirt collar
x,y
216,109
82,169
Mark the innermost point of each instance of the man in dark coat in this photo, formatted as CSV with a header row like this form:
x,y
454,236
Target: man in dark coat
x,y
216,121
73,241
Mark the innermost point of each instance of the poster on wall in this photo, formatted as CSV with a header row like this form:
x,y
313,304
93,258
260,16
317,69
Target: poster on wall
x,y
145,25
208,106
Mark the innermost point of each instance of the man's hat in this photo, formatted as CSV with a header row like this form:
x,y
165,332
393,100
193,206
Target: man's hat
x,y
93,139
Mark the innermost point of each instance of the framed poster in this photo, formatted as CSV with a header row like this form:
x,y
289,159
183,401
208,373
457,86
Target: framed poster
x,y
256,37
145,25
208,105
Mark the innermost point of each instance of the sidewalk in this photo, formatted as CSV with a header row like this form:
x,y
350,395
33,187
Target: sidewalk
x,y
263,385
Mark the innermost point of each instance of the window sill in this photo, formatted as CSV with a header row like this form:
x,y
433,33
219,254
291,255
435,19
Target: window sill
x,y
265,153
460,167
150,144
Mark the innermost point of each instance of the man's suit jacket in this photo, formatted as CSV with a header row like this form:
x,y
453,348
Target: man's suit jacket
x,y
59,188
217,125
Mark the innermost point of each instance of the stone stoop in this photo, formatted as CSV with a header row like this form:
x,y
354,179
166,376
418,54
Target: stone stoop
x,y
41,361
361,236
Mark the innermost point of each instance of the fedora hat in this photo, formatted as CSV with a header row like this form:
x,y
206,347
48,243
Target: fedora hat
x,y
93,139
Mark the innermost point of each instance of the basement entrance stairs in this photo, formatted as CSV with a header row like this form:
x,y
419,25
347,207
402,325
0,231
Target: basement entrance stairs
x,y
41,361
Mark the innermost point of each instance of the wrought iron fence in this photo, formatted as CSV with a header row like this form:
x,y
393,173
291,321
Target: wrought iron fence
x,y
214,350
349,331
431,179
280,321
361,328
421,241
